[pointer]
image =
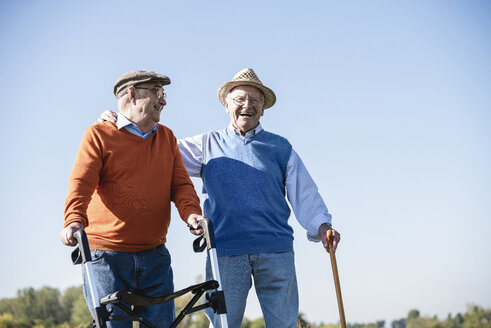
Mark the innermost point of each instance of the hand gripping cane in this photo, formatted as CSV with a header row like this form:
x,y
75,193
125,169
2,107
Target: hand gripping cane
x,y
330,237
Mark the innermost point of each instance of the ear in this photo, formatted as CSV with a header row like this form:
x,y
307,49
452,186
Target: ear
x,y
131,92
226,107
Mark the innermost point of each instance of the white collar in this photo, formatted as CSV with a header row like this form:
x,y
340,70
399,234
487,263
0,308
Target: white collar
x,y
249,133
122,121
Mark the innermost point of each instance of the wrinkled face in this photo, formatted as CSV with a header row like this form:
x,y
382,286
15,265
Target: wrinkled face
x,y
245,105
148,104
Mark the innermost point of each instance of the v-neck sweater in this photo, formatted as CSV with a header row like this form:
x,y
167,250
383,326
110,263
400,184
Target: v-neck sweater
x,y
121,187
244,179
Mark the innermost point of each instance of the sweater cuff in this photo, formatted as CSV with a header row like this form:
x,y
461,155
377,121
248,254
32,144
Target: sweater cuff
x,y
186,213
75,219
313,232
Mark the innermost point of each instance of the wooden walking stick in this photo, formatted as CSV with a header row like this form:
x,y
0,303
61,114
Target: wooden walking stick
x,y
330,238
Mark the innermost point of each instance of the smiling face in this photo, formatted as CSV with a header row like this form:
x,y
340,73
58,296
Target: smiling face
x,y
244,104
146,106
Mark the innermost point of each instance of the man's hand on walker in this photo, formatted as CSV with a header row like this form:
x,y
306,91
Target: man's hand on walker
x,y
107,115
192,221
66,235
323,229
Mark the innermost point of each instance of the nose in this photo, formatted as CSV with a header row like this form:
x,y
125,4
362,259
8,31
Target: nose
x,y
162,101
246,103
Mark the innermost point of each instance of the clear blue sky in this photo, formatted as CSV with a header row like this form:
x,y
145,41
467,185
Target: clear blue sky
x,y
387,102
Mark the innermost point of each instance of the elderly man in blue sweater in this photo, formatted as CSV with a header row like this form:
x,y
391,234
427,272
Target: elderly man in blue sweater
x,y
248,174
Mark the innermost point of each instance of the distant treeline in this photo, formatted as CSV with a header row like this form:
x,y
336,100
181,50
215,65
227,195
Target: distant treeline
x,y
45,307
475,317
49,308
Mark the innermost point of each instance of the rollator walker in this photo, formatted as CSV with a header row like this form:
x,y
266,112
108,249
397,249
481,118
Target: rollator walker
x,y
215,299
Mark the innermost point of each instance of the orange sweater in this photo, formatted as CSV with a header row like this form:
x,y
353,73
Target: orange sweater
x,y
121,187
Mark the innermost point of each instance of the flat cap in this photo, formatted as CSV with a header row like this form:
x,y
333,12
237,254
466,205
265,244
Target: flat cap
x,y
137,77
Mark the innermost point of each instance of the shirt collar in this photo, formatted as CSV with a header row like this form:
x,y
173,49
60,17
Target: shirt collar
x,y
249,133
123,122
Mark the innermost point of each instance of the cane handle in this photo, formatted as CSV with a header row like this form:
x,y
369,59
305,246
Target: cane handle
x,y
330,239
330,236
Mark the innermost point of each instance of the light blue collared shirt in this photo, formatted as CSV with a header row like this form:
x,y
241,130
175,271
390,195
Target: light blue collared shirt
x,y
123,122
302,193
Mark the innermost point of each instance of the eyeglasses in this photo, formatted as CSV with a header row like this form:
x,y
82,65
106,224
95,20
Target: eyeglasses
x,y
240,101
159,92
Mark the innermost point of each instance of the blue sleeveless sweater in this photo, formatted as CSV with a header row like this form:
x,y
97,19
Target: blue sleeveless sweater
x,y
244,180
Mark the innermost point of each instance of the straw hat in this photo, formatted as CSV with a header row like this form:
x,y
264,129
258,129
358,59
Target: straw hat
x,y
247,76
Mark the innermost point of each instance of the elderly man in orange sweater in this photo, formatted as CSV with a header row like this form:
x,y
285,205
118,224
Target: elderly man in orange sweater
x,y
124,178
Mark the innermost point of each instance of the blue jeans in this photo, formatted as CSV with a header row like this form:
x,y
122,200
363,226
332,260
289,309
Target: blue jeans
x,y
275,282
148,273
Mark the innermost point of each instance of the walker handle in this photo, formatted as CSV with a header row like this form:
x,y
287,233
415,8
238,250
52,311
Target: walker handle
x,y
207,226
82,253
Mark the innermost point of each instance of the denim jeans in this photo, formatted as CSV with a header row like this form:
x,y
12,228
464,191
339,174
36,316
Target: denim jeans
x,y
148,273
275,282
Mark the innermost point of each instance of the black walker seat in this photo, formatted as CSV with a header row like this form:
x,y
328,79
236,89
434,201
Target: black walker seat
x,y
215,300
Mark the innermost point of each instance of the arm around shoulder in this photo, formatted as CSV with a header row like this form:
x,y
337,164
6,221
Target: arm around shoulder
x,y
183,193
191,149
